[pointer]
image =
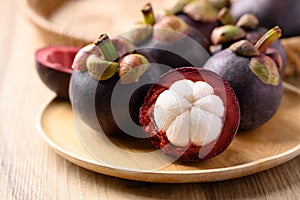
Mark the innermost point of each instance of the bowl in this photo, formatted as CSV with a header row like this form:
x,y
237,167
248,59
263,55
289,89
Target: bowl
x,y
77,23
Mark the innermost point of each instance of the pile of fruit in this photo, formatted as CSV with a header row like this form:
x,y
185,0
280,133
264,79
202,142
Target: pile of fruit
x,y
188,78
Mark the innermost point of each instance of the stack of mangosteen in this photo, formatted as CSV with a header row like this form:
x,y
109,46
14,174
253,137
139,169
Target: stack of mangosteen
x,y
156,80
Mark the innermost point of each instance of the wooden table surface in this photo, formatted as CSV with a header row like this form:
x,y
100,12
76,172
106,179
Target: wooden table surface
x,y
29,169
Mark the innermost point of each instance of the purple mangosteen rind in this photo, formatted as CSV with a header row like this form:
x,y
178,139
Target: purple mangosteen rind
x,y
53,64
258,101
201,15
92,100
247,27
284,13
172,42
91,92
191,152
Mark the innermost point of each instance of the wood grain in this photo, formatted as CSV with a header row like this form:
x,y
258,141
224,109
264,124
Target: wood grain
x,y
29,169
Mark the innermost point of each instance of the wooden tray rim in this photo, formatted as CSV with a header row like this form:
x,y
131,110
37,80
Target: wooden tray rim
x,y
201,175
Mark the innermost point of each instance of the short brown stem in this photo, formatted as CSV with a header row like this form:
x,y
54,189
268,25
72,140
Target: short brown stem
x,y
106,47
267,39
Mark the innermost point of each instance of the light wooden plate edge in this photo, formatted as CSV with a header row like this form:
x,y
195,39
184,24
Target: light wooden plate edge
x,y
187,176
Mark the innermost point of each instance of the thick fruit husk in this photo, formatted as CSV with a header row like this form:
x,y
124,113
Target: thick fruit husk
x,y
92,101
258,101
270,13
191,152
53,65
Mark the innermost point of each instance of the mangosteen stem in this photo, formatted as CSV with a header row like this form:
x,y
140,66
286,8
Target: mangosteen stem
x,y
107,48
267,39
148,14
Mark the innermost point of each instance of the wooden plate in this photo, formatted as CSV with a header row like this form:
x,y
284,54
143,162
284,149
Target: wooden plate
x,y
250,152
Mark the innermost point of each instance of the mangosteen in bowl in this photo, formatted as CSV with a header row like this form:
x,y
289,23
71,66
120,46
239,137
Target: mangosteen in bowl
x,y
284,13
108,85
254,75
53,64
168,40
190,114
246,27
201,15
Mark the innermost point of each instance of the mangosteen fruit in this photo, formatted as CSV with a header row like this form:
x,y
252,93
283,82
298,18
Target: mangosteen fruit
x,y
246,27
53,64
253,73
168,40
284,13
107,90
190,114
201,15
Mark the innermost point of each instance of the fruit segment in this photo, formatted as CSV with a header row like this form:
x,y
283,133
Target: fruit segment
x,y
189,113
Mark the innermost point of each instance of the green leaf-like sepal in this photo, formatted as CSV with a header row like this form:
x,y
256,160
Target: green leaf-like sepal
x,y
265,69
100,69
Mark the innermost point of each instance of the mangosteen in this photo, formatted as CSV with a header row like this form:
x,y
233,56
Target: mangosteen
x,y
201,15
53,64
284,13
247,27
108,85
254,75
168,40
190,114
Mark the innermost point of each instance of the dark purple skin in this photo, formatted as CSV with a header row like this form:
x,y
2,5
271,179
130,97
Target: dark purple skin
x,y
270,13
190,50
253,36
258,101
202,27
53,65
89,95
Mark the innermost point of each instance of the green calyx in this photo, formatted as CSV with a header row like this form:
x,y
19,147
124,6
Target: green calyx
x,y
138,32
264,63
100,69
201,11
244,48
104,67
265,69
122,45
106,48
227,33
132,67
178,6
225,17
247,21
219,4
170,28
266,66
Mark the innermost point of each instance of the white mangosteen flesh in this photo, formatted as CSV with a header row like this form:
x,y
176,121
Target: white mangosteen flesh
x,y
189,113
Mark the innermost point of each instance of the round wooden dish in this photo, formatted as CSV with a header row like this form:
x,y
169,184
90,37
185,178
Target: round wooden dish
x,y
270,145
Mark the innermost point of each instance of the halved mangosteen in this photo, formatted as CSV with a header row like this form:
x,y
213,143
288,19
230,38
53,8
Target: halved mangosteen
x,y
53,64
190,114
